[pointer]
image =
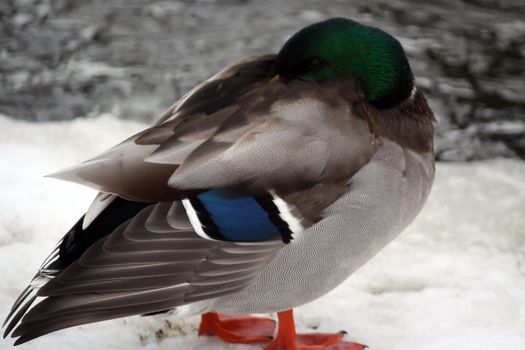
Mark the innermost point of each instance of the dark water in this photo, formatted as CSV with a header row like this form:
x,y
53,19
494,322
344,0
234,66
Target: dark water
x,y
65,59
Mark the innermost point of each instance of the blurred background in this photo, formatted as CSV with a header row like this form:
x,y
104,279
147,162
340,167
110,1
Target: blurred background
x,y
62,59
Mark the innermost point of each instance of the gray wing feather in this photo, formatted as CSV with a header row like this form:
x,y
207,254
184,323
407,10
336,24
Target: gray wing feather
x,y
285,136
187,124
145,265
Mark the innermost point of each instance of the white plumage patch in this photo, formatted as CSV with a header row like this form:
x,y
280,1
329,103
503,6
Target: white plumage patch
x,y
286,214
194,219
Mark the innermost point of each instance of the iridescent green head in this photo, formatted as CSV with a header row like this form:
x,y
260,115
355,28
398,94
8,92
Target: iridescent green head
x,y
340,48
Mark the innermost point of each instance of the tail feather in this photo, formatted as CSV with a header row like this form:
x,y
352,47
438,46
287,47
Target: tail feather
x,y
74,243
30,331
20,309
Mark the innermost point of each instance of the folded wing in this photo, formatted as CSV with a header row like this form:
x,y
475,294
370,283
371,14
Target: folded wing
x,y
154,262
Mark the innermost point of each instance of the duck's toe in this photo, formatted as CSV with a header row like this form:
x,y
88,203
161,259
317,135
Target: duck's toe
x,y
314,341
288,339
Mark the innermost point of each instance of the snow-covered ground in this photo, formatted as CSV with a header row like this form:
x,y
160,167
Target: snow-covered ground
x,y
454,280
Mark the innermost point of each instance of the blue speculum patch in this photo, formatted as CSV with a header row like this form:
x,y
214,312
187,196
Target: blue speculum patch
x,y
244,219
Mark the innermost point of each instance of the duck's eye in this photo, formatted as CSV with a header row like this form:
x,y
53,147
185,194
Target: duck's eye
x,y
316,64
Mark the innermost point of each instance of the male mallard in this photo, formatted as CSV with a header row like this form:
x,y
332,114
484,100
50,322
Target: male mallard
x,y
261,190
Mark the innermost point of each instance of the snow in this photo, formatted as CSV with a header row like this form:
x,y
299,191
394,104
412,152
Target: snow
x,y
455,279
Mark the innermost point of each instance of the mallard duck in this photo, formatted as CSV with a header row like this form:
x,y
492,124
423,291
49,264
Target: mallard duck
x,y
262,189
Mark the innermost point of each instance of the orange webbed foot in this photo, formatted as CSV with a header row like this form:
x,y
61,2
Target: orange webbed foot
x,y
237,329
288,339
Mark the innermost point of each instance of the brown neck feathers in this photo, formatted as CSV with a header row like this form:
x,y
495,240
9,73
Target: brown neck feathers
x,y
410,124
